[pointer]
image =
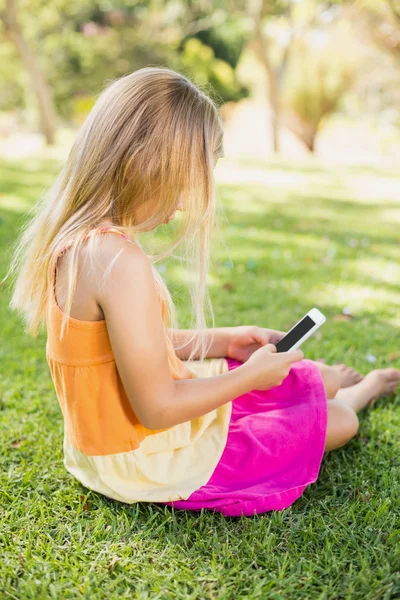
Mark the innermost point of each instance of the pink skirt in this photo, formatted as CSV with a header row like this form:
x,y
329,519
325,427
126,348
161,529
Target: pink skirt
x,y
274,449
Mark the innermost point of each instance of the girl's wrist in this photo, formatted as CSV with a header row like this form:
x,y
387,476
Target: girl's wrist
x,y
221,341
219,336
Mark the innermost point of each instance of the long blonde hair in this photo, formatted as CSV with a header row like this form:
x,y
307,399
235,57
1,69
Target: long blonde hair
x,y
152,134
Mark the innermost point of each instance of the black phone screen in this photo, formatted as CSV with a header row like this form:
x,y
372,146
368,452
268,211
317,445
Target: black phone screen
x,y
295,334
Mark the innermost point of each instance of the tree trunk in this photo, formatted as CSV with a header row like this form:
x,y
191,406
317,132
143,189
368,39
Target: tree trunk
x,y
259,46
274,102
310,143
42,91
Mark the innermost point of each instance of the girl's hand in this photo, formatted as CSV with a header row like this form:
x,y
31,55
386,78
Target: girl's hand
x,y
269,368
246,339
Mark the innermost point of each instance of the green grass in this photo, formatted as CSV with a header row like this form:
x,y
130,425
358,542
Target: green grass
x,y
295,236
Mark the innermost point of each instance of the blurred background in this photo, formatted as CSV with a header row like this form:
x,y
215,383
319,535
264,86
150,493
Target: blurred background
x,y
296,77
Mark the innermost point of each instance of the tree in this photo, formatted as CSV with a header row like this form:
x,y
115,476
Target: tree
x,y
262,44
316,85
13,32
378,21
276,26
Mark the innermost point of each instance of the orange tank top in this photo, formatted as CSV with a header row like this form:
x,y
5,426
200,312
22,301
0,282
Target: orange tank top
x,y
98,417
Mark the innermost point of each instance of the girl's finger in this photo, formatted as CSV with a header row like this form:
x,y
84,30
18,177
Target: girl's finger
x,y
262,338
271,347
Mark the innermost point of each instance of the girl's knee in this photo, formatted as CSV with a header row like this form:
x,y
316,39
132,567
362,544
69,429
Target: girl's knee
x,y
331,378
352,423
342,425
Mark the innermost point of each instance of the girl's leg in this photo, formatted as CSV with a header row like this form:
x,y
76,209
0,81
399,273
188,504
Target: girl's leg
x,y
344,404
375,384
342,425
331,379
342,420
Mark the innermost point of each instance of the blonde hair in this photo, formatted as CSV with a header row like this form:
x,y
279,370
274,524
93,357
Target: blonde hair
x,y
152,134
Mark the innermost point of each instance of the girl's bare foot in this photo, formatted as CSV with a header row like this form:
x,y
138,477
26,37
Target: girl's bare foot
x,y
348,375
374,385
382,383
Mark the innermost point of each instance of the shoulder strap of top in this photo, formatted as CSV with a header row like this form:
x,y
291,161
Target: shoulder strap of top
x,y
112,229
91,232
60,251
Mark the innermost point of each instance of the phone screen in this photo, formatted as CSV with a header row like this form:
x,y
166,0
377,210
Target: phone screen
x,y
295,334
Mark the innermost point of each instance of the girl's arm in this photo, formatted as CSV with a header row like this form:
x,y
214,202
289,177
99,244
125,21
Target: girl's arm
x,y
219,346
131,308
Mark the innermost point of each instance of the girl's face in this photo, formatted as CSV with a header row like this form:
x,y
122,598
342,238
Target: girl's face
x,y
179,206
145,211
142,211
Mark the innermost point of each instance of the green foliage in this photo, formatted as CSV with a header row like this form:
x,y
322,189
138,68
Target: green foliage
x,y
227,40
198,61
83,45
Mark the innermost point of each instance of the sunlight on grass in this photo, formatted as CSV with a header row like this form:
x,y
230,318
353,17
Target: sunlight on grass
x,y
359,297
376,269
369,189
392,215
337,183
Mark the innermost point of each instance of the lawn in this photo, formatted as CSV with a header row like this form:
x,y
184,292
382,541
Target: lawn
x,y
294,236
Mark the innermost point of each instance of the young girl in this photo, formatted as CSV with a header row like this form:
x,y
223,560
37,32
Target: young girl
x,y
199,418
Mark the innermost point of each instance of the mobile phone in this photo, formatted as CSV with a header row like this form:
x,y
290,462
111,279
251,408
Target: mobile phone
x,y
301,331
